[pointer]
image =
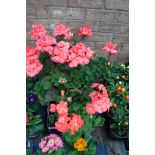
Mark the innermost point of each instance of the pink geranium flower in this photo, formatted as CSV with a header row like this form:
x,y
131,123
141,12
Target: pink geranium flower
x,y
38,31
62,108
60,53
69,35
32,53
61,29
62,92
69,99
102,105
94,85
100,87
85,31
79,54
100,101
45,43
33,65
110,48
62,127
63,118
75,123
90,109
52,108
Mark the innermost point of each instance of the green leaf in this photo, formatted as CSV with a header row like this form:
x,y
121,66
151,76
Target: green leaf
x,y
38,152
99,121
36,121
36,129
72,138
76,106
46,84
33,108
50,152
71,85
28,152
73,153
113,126
58,152
91,147
43,102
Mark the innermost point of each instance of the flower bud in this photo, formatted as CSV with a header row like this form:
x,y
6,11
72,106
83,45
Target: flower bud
x,y
62,92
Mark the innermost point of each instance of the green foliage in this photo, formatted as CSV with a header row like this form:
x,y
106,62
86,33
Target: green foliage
x,y
120,115
72,138
33,107
35,125
78,81
28,151
91,148
73,152
77,84
119,122
58,152
99,121
39,152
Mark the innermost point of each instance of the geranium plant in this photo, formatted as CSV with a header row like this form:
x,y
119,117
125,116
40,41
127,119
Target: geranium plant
x,y
67,77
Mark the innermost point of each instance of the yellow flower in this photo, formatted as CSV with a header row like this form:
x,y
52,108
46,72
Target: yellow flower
x,y
80,144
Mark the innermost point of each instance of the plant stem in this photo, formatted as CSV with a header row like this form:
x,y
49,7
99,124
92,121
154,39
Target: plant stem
x,y
89,139
82,38
109,55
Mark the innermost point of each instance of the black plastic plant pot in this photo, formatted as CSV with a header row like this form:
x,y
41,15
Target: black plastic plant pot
x,y
113,135
43,113
110,131
33,131
31,136
51,125
106,115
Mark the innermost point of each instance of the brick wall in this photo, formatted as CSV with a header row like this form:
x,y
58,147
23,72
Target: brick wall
x,y
108,18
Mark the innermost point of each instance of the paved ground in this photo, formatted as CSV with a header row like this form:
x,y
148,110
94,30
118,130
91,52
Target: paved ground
x,y
113,147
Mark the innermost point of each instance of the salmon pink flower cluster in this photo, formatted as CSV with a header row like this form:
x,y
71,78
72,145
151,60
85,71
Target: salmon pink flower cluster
x,y
62,108
38,31
85,31
51,142
110,48
62,30
73,122
60,52
79,55
45,44
100,101
33,65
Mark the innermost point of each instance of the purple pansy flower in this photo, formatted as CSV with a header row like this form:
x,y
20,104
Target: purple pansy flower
x,y
31,98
